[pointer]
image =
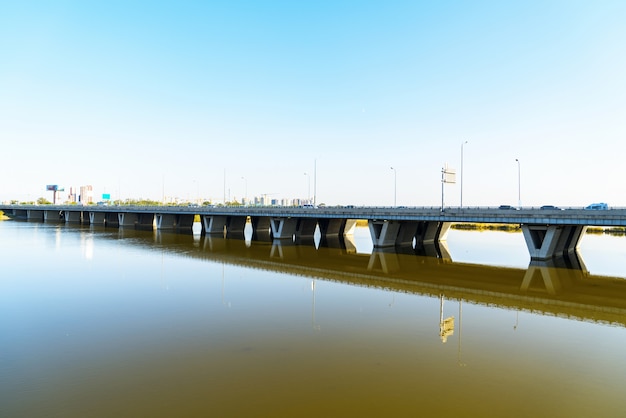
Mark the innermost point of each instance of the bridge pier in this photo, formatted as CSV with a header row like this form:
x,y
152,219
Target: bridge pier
x,y
180,222
96,218
111,219
235,227
306,227
145,220
126,219
431,232
53,216
34,215
384,233
214,225
332,227
549,241
401,233
184,223
261,228
73,216
283,228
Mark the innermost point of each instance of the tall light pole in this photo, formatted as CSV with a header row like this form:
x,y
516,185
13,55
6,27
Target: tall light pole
x,y
308,196
519,185
395,186
315,182
462,143
246,184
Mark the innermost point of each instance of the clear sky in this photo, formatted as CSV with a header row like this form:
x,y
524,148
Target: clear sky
x,y
195,98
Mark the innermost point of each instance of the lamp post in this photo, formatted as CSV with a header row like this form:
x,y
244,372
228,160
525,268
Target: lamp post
x,y
519,185
308,196
315,182
395,186
461,203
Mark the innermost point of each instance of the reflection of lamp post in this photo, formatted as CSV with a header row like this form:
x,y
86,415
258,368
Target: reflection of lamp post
x,y
519,185
463,143
315,326
308,196
395,185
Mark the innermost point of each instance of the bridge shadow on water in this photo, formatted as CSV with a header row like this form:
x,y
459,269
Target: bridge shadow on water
x,y
558,287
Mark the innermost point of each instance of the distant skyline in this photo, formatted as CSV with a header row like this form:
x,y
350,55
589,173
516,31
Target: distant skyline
x,y
201,99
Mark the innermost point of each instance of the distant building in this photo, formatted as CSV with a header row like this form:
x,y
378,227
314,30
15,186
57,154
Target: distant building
x,y
86,195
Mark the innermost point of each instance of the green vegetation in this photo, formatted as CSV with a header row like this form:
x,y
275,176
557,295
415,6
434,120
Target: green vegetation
x,y
487,227
618,230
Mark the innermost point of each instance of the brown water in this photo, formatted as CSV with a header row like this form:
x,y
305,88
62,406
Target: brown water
x,y
108,323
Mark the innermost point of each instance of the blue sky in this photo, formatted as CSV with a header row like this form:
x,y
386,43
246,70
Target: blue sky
x,y
188,99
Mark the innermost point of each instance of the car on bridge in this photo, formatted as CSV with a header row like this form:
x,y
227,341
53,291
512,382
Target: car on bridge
x,y
597,206
549,207
507,207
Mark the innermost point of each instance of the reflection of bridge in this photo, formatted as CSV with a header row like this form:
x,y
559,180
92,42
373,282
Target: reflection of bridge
x,y
543,288
548,233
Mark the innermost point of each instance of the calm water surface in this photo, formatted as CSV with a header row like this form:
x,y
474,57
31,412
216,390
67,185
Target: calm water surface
x,y
101,322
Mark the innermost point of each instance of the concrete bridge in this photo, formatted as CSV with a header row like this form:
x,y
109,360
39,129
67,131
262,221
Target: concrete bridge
x,y
548,233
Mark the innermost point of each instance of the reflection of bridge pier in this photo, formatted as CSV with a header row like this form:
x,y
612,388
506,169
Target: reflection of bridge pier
x,y
553,275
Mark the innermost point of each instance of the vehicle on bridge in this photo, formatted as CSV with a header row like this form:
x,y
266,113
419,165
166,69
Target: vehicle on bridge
x,y
550,207
597,206
507,207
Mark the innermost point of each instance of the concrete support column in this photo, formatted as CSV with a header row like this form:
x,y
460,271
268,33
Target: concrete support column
x,y
235,227
34,215
283,228
184,223
214,225
96,218
430,232
126,219
165,221
73,216
53,216
111,219
261,228
349,227
306,228
384,233
548,241
332,227
145,220
20,213
406,233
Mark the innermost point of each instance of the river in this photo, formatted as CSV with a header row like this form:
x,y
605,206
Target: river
x,y
101,322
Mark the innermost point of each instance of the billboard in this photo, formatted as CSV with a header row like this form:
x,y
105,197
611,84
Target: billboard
x,y
52,187
106,196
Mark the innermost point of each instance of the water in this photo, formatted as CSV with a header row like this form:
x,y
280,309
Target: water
x,y
104,322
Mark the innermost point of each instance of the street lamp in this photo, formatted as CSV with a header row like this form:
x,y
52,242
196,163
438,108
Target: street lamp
x,y
315,182
519,185
463,143
308,196
395,185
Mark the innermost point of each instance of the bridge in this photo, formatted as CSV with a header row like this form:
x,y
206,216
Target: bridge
x,y
548,233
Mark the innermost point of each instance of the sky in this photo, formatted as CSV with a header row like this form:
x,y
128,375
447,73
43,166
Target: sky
x,y
352,102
